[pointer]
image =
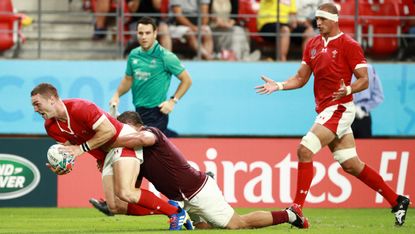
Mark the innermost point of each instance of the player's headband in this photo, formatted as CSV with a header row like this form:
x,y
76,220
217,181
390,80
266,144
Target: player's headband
x,y
327,15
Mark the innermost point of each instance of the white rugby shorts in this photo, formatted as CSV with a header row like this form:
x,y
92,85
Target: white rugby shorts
x,y
338,118
209,205
119,153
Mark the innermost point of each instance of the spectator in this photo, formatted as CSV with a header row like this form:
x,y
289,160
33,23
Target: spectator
x,y
365,101
230,36
148,7
267,23
288,23
185,18
102,7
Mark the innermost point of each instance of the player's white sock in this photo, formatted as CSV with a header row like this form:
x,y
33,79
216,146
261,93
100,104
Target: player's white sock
x,y
291,216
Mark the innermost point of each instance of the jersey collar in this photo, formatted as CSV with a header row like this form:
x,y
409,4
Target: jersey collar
x,y
331,39
151,50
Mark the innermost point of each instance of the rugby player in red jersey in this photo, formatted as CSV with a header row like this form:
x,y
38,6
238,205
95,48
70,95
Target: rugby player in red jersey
x,y
333,57
81,126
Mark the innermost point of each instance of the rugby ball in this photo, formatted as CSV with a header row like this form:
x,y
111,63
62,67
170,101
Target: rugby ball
x,y
56,157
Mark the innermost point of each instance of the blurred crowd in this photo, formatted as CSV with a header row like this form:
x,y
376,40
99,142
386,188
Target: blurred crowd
x,y
242,30
252,30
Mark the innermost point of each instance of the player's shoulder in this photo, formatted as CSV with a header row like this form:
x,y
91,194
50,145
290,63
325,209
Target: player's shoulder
x,y
314,40
78,104
349,40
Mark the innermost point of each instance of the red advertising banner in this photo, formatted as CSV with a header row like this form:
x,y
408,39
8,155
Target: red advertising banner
x,y
263,173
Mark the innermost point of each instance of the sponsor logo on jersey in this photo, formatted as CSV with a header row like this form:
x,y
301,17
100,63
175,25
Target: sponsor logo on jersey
x,y
18,176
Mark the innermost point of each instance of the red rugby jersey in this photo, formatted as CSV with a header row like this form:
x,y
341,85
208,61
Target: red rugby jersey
x,y
331,61
83,117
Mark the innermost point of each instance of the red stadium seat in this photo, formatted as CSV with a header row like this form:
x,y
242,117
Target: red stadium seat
x,y
382,33
346,16
10,27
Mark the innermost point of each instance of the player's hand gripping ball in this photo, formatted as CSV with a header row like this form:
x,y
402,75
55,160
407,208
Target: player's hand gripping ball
x,y
60,161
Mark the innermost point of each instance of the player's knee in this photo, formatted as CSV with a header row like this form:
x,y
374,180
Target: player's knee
x,y
114,208
310,145
236,222
343,155
304,154
125,195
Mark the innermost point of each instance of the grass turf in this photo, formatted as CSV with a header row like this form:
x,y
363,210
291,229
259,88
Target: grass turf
x,y
88,220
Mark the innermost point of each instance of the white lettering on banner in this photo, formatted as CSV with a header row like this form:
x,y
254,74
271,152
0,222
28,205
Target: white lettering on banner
x,y
6,169
264,180
383,170
403,167
12,181
211,154
342,182
285,167
229,170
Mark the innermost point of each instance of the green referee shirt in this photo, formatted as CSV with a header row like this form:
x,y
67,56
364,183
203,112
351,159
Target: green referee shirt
x,y
151,72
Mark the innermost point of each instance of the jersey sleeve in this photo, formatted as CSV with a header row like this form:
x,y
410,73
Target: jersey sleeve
x,y
306,53
92,118
129,68
173,64
355,55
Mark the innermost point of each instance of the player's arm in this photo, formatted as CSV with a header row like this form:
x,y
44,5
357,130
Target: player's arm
x,y
141,138
361,83
124,86
297,81
362,80
103,133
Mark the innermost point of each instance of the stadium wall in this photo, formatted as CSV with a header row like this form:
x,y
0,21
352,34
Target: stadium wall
x,y
222,100
251,172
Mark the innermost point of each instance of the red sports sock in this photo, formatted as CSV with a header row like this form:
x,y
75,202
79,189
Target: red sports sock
x,y
279,217
137,210
304,178
152,202
372,179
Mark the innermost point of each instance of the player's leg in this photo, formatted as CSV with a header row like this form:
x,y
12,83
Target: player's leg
x,y
126,170
212,207
115,205
318,137
331,122
292,215
344,151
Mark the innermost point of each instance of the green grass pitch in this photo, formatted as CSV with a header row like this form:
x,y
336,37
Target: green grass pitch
x,y
88,220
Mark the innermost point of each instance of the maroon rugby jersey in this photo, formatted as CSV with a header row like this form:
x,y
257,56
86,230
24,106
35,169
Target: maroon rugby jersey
x,y
168,170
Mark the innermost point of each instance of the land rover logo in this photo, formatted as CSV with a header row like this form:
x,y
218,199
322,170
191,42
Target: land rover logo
x,y
18,176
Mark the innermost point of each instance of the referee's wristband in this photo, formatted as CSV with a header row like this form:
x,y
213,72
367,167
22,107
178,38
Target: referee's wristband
x,y
175,99
84,147
348,90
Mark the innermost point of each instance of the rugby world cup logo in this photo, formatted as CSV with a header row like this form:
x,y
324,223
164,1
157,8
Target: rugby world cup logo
x,y
18,176
313,53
